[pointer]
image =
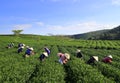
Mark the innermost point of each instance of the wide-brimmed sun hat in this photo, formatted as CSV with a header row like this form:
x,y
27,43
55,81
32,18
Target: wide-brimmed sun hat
x,y
67,55
45,53
110,56
95,57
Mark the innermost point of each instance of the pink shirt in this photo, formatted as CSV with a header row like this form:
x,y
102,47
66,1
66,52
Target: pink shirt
x,y
62,56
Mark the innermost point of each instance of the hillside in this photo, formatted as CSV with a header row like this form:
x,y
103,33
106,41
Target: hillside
x,y
89,35
111,34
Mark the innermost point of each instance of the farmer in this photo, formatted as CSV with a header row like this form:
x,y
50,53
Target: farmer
x,y
63,58
107,59
47,50
79,54
92,60
43,56
29,52
20,49
10,45
20,44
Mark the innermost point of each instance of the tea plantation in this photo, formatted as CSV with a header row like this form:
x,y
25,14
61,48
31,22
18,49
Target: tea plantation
x,y
14,68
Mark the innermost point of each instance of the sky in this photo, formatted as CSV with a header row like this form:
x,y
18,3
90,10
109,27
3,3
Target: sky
x,y
58,17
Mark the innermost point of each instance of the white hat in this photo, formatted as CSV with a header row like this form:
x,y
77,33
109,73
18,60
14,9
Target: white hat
x,y
95,57
110,56
22,46
78,50
31,48
67,55
45,53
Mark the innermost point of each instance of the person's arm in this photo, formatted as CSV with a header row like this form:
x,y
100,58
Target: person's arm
x,y
31,52
110,60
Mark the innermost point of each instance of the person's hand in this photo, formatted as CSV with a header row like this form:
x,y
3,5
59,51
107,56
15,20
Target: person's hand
x,y
65,61
110,61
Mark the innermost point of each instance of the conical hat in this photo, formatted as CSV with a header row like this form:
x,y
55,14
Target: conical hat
x,y
45,53
110,56
31,48
95,57
67,55
78,50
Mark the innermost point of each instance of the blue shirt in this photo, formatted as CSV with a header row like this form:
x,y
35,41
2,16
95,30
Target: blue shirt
x,y
42,56
28,51
47,50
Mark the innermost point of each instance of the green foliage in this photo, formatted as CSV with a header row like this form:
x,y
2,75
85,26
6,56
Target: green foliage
x,y
49,71
14,68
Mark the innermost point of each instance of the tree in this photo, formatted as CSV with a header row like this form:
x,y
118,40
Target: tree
x,y
17,32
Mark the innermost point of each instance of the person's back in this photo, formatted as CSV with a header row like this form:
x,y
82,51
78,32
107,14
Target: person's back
x,y
107,59
92,60
43,56
63,58
47,50
20,49
28,51
79,55
60,54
